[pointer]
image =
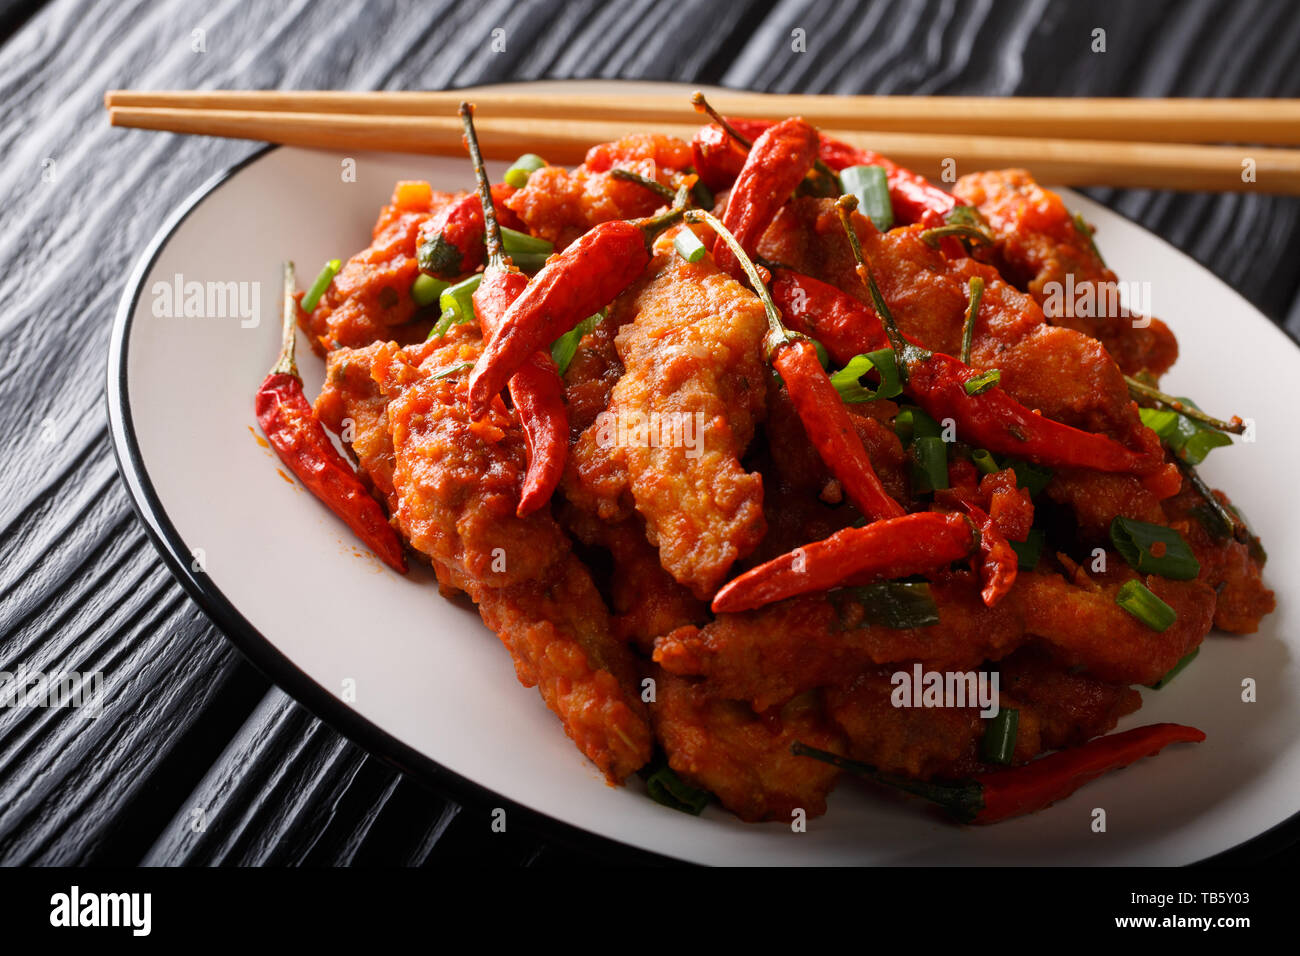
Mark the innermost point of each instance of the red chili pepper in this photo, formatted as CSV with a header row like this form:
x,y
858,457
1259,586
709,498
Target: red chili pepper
x,y
913,197
1002,794
819,406
835,319
450,242
998,564
718,157
578,282
892,548
291,426
830,429
778,161
535,389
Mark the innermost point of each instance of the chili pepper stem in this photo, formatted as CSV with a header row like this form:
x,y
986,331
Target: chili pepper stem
x,y
492,229
972,311
1238,528
1140,390
907,352
932,236
777,334
285,364
702,105
963,801
656,187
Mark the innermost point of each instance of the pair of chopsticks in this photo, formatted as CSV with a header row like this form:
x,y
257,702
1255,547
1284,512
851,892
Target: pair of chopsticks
x,y
1143,143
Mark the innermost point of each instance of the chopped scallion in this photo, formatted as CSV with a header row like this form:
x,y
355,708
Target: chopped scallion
x,y
515,242
1136,598
1174,671
897,604
1033,478
1153,549
1030,550
527,164
999,743
983,382
664,786
871,185
985,462
1189,439
688,245
323,280
426,290
458,300
565,347
930,463
847,381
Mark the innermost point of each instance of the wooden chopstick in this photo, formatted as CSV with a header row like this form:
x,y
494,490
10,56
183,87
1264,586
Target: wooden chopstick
x,y
1265,121
1059,162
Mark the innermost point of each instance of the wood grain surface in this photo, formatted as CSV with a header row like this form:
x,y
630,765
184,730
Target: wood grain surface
x,y
196,758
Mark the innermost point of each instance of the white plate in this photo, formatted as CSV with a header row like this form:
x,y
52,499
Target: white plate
x,y
431,689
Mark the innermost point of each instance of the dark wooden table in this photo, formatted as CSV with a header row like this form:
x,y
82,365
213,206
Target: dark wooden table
x,y
191,731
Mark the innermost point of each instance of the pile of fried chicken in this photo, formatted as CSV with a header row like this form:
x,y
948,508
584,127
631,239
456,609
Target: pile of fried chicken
x,y
603,599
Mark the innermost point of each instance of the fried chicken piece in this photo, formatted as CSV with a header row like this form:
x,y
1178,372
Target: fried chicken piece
x,y
351,405
1067,708
742,757
1086,628
646,601
1055,709
769,655
456,482
370,298
560,206
695,376
1042,250
1232,568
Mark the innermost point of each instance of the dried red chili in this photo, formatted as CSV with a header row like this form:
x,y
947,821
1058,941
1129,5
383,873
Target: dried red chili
x,y
1002,794
450,242
291,426
535,389
578,282
891,548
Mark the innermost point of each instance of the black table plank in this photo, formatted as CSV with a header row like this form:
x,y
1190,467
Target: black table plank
x,y
196,759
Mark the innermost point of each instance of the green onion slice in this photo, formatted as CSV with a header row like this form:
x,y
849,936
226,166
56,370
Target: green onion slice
x,y
983,382
458,303
1153,549
1174,671
1033,478
664,786
515,242
451,370
896,604
847,381
565,347
688,245
527,164
1136,598
911,423
1030,550
999,743
1189,439
985,462
426,290
323,280
930,463
871,185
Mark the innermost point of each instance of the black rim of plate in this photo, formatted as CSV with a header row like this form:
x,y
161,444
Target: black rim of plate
x,y
268,659
288,676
